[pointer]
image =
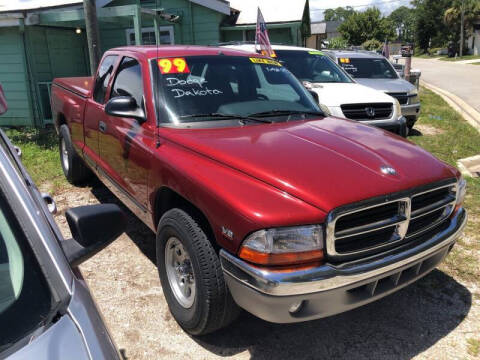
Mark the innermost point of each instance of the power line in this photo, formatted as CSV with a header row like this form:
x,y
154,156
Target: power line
x,y
365,5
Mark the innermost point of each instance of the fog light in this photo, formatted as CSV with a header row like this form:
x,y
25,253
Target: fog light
x,y
295,307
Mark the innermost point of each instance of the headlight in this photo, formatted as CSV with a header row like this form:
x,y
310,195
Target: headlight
x,y
284,246
325,110
398,108
413,96
461,192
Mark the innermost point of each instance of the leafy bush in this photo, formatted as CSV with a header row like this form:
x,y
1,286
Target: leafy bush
x,y
337,43
372,45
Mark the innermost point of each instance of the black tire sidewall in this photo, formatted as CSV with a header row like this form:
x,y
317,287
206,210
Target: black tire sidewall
x,y
65,136
190,318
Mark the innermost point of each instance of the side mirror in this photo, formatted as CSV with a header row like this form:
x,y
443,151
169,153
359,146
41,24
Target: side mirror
x,y
315,95
3,102
125,106
93,228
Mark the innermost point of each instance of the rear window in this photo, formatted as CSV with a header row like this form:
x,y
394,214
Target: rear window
x,y
369,68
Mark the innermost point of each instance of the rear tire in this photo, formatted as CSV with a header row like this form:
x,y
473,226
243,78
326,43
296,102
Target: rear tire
x,y
73,166
212,306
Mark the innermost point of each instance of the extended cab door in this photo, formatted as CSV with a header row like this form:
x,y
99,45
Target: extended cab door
x,y
125,143
94,109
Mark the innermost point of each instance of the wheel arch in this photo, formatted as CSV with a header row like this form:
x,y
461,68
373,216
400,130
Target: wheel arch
x,y
167,199
60,120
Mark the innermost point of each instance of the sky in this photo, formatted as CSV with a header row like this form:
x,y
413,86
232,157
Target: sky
x,y
385,6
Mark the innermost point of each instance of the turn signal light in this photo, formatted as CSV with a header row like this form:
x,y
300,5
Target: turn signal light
x,y
280,259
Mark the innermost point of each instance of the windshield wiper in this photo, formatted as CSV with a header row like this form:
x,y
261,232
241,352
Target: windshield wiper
x,y
226,116
288,112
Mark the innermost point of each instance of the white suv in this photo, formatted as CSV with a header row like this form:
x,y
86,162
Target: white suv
x,y
337,92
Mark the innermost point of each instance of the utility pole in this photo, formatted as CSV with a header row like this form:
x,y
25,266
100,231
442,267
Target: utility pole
x,y
93,37
462,17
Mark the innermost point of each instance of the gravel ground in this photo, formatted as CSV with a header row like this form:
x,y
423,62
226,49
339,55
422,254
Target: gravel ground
x,y
431,319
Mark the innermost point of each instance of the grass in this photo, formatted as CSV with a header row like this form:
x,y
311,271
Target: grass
x,y
427,56
457,140
460,58
40,156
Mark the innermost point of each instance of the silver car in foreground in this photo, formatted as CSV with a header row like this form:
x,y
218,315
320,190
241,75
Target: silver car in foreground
x,y
375,71
46,311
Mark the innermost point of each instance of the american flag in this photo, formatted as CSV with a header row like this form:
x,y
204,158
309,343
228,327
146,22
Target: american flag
x,y
261,37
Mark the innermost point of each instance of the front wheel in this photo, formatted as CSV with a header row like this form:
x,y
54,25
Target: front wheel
x,y
191,275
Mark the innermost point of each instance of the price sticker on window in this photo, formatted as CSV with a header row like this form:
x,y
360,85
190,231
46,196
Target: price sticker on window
x,y
258,60
173,66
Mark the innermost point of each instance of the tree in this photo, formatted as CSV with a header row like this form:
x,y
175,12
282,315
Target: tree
x,y
338,14
403,19
430,29
372,45
452,17
366,25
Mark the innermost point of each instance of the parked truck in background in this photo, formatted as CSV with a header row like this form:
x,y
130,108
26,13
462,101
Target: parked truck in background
x,y
258,200
375,71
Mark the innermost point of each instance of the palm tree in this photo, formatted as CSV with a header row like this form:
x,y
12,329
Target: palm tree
x,y
452,15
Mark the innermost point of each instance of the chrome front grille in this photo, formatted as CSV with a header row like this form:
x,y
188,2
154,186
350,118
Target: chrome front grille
x,y
364,112
384,223
401,97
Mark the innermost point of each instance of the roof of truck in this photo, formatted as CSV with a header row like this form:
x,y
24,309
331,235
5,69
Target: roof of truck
x,y
153,51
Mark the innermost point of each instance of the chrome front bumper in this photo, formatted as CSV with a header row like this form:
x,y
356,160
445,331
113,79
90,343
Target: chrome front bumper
x,y
397,126
330,289
411,111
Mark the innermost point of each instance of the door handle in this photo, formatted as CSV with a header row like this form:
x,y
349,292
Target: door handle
x,y
102,126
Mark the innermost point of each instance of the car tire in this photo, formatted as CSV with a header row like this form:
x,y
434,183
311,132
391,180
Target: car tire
x,y
73,166
183,249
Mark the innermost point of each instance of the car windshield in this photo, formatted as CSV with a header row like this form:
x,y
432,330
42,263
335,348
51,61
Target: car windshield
x,y
312,66
213,88
25,297
369,68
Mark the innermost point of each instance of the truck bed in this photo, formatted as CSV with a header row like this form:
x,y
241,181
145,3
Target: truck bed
x,y
81,86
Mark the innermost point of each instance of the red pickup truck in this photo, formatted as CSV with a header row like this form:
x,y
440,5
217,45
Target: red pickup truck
x,y
258,200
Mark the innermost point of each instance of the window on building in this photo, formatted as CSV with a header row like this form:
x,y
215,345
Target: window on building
x,y
101,82
250,35
148,36
129,80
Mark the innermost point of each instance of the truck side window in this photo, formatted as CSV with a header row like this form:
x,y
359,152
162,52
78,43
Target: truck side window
x,y
128,81
101,82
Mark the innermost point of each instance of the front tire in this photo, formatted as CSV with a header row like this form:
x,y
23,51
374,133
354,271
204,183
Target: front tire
x,y
73,166
192,276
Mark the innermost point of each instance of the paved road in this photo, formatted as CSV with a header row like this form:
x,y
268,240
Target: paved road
x,y
462,80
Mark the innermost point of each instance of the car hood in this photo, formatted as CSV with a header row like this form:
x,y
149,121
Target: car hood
x,y
336,94
327,162
387,85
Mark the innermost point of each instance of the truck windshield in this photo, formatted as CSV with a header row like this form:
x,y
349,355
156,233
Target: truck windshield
x,y
312,66
212,88
368,68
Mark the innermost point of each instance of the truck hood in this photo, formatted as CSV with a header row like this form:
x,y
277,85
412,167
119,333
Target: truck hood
x,y
336,94
387,85
327,162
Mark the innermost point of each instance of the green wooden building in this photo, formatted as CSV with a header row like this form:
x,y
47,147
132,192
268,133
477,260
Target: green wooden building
x,y
44,39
